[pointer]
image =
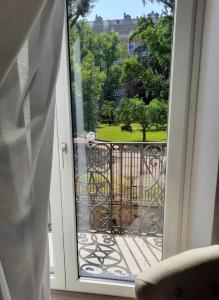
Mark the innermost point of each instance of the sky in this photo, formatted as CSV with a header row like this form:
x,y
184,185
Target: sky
x,y
114,9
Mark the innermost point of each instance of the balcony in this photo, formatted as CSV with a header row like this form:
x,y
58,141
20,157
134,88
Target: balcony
x,y
120,191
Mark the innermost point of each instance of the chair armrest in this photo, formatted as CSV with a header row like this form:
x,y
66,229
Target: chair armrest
x,y
192,275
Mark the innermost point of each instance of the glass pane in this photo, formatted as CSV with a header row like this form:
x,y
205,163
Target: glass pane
x,y
120,69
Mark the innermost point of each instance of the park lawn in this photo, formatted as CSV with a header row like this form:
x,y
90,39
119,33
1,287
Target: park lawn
x,y
113,133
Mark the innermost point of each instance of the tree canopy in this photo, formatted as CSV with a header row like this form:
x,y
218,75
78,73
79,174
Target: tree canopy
x,y
92,82
124,112
108,112
146,75
77,9
168,4
103,65
141,115
158,111
96,56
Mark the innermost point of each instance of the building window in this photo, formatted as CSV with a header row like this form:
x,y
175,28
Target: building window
x,y
118,90
131,48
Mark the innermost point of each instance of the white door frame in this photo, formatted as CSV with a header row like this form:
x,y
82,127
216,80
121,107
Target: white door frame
x,y
178,155
206,139
189,18
57,280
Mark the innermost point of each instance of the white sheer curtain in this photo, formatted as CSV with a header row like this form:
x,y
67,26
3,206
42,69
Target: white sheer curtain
x,y
30,42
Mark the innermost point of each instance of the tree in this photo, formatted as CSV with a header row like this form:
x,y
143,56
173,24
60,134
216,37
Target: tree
x,y
124,113
158,111
113,81
92,83
158,39
168,4
96,54
85,37
131,77
108,112
149,74
103,65
83,70
130,110
105,49
155,85
77,9
106,53
140,114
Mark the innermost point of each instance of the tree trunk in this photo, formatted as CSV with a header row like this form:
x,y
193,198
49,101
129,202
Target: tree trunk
x,y
144,134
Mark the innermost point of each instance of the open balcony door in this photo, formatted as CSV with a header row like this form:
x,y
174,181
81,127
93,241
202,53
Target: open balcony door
x,y
184,80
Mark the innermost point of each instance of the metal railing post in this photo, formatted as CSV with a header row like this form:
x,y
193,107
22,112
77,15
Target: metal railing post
x,y
141,195
131,182
121,187
111,188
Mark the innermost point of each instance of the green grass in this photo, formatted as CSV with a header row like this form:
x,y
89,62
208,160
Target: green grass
x,y
113,133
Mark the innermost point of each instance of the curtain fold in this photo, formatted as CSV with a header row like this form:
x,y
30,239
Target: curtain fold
x,y
27,79
16,21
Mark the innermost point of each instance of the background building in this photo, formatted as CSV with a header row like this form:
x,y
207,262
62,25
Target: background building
x,y
124,27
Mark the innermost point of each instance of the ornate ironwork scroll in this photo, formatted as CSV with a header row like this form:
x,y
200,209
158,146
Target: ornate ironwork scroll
x,y
120,190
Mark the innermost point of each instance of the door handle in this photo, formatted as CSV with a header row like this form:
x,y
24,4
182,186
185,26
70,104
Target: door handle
x,y
62,150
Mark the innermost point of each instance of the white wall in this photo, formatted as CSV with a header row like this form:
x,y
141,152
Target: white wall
x,y
206,149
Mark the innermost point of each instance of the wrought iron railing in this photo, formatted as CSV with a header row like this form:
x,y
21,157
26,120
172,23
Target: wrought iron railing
x,y
120,187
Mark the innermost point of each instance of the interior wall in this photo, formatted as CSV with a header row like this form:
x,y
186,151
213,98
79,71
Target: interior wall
x,y
206,143
215,234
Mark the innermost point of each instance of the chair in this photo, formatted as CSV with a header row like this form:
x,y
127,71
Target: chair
x,y
191,275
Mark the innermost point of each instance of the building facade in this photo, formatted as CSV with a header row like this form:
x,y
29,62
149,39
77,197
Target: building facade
x,y
124,27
